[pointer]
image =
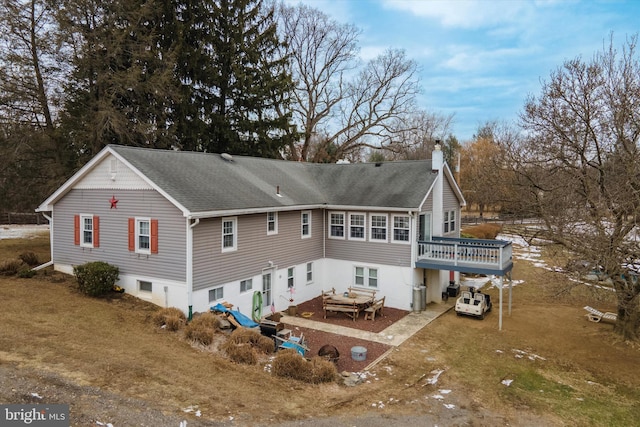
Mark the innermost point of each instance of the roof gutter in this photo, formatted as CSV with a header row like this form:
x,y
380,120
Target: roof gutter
x,y
234,212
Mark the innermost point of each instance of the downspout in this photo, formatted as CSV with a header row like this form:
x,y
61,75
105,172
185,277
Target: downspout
x,y
189,264
324,236
414,243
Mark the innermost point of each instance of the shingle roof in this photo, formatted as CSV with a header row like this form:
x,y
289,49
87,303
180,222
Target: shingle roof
x,y
203,182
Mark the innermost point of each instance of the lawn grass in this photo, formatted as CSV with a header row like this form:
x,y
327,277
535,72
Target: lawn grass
x,y
584,375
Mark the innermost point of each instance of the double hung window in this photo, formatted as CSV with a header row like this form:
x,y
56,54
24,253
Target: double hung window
x,y
336,225
378,228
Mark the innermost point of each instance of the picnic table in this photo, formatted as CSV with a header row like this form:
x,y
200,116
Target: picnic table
x,y
350,302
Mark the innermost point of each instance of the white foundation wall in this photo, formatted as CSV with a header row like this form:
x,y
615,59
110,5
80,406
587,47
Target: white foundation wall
x,y
394,283
164,293
303,290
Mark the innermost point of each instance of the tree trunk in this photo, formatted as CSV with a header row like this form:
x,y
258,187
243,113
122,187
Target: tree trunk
x,y
628,322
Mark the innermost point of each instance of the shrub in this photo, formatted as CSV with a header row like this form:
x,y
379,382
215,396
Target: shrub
x,y
199,333
241,353
322,370
96,278
11,267
30,258
26,273
173,323
289,364
208,320
254,338
160,317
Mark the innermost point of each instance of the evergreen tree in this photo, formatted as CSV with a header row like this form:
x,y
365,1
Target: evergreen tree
x,y
122,89
235,79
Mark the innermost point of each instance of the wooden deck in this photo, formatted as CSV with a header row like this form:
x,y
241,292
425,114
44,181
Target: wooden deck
x,y
466,255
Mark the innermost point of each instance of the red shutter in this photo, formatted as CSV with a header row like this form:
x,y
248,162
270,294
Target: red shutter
x,y
76,229
96,232
154,236
132,234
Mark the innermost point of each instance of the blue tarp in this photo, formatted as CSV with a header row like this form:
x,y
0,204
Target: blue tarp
x,y
240,318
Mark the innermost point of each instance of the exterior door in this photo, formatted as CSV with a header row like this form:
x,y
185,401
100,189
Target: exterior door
x,y
424,230
424,227
266,288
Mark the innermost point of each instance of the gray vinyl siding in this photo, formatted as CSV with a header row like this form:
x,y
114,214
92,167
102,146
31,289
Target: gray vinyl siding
x,y
389,253
254,247
168,263
428,204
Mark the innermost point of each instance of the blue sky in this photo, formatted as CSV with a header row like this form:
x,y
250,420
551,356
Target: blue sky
x,y
481,59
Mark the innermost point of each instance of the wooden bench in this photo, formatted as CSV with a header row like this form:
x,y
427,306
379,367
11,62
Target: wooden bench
x,y
377,306
363,291
350,310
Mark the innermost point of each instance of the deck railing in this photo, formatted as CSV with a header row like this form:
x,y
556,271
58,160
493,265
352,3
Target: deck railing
x,y
493,254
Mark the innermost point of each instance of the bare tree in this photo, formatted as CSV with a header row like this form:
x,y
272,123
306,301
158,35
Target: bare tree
x,y
28,58
414,137
354,105
32,71
578,165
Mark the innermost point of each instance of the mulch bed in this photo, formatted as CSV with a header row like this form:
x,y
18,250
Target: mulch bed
x,y
316,339
381,322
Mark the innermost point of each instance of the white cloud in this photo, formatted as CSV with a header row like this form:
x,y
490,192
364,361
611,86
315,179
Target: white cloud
x,y
471,58
465,13
368,53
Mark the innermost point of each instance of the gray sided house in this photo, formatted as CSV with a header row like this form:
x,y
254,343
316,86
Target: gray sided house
x,y
190,229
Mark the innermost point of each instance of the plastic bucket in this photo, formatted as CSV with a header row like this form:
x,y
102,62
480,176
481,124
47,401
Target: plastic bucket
x,y
358,353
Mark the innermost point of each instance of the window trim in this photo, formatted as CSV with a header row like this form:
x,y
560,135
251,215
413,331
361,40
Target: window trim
x,y
138,249
450,221
83,243
330,230
309,274
355,275
274,221
302,224
291,277
386,228
221,297
363,226
234,233
247,289
144,291
394,228
377,278
366,276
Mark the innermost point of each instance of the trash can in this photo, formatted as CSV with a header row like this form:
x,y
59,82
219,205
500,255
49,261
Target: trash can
x,y
423,296
358,353
453,289
417,299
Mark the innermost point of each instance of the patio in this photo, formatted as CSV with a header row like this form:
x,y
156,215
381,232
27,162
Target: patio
x,y
378,336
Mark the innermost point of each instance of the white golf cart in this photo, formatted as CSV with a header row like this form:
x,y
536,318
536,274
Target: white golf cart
x,y
472,303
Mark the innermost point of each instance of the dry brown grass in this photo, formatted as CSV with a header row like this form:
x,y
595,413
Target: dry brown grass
x,y
241,353
170,317
588,377
264,345
199,333
290,364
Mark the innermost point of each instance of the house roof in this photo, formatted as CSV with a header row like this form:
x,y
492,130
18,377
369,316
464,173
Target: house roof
x,y
202,184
